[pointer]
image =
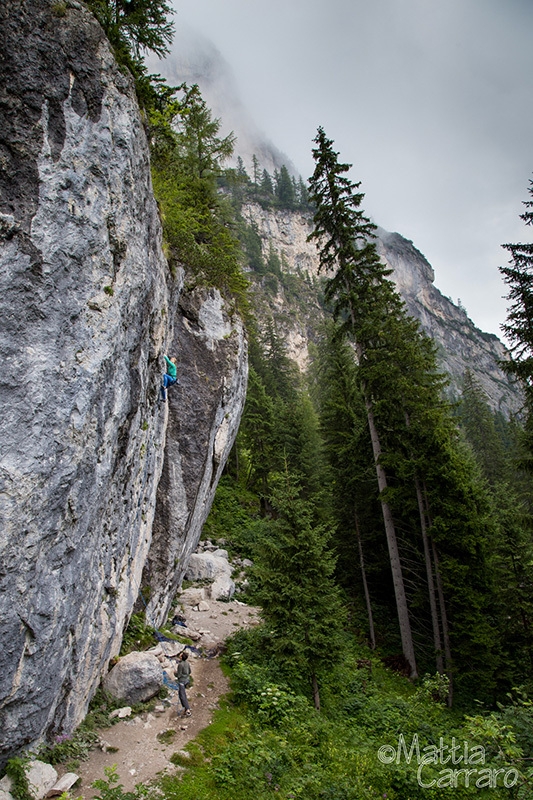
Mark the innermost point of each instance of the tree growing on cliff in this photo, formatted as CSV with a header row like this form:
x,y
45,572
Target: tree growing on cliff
x,y
135,26
187,158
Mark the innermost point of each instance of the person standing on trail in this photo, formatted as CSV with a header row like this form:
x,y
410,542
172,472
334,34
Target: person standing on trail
x,y
183,677
170,377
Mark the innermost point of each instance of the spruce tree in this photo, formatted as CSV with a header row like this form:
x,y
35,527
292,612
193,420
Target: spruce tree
x,y
256,171
135,25
479,425
267,187
519,326
285,190
518,276
362,299
293,583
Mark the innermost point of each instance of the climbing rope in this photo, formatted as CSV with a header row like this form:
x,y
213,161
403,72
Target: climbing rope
x,y
158,635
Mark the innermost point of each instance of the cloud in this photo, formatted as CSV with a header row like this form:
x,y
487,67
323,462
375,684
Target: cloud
x,y
431,102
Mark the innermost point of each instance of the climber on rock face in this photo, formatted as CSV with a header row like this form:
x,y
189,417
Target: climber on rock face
x,y
170,376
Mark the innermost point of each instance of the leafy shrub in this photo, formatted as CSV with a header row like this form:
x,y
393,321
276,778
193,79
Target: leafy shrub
x,y
110,788
16,770
138,635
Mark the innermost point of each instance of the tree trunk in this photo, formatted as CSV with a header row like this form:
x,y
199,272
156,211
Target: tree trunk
x,y
444,621
390,531
392,543
316,693
431,584
365,586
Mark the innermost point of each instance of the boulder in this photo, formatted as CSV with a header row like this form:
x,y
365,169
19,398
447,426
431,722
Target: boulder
x,y
171,649
222,588
41,777
192,596
136,678
5,788
214,567
121,713
207,566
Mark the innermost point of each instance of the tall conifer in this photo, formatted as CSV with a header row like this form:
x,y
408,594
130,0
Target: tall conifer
x,y
293,582
362,299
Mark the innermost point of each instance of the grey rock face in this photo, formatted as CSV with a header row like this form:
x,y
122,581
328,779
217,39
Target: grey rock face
x,y
87,308
136,678
460,344
204,415
82,439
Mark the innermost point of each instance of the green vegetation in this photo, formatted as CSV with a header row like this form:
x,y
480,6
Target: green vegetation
x,y
293,583
518,276
187,154
187,158
16,770
132,29
138,635
166,737
386,528
268,740
280,190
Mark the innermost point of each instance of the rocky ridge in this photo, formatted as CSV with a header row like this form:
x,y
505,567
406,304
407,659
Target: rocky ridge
x,y
460,344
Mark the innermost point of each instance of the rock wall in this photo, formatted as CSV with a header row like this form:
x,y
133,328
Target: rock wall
x,y
88,307
204,416
460,344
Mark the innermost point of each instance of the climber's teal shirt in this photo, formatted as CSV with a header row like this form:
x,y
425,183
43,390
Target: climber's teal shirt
x,y
171,368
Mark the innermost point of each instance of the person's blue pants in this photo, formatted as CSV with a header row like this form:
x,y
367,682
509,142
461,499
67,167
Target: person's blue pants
x,y
168,380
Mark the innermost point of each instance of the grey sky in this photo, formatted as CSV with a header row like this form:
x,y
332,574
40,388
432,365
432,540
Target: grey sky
x,y
431,100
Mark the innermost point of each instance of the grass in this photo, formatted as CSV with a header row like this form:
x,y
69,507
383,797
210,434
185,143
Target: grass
x,y
268,741
166,737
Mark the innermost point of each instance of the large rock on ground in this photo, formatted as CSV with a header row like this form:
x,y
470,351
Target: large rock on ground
x,y
215,567
42,777
136,678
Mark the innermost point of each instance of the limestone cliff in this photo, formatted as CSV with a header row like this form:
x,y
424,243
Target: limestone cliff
x,y
460,344
88,307
204,416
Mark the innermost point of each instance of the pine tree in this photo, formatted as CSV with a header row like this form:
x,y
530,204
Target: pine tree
x,y
256,171
352,478
135,25
201,150
519,326
363,299
479,426
285,192
267,187
186,162
293,583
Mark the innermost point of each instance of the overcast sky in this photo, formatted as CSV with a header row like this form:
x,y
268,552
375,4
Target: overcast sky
x,y
430,100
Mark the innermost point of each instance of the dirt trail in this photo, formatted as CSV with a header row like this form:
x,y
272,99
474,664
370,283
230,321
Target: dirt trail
x,y
140,755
